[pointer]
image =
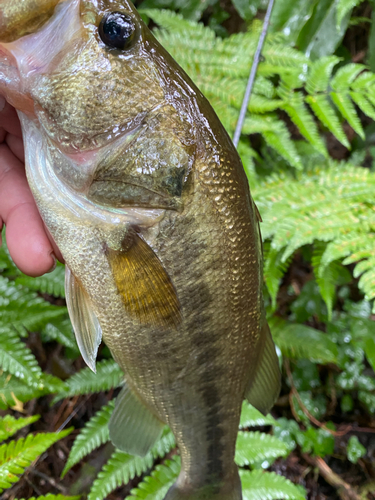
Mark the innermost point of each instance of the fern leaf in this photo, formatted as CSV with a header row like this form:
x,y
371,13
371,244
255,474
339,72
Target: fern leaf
x,y
17,359
155,487
24,309
326,114
344,7
17,455
254,447
93,435
51,283
61,330
300,341
259,485
346,108
121,467
274,269
345,76
108,375
10,425
302,118
320,74
363,103
251,417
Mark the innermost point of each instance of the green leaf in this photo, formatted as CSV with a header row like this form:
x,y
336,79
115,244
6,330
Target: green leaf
x,y
355,449
251,417
61,330
10,425
274,269
17,455
108,375
155,487
301,341
17,359
93,435
24,309
246,9
254,447
121,467
51,283
344,7
346,108
327,115
370,351
259,485
320,74
363,103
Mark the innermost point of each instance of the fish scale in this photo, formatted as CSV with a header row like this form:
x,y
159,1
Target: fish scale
x,y
146,198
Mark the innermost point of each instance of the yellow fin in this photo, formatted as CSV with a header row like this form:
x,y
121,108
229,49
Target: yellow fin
x,y
132,427
143,283
264,388
85,323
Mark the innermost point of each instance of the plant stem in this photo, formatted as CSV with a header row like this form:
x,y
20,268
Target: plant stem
x,y
253,71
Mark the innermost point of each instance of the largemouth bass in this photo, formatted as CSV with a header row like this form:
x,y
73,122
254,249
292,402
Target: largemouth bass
x,y
145,196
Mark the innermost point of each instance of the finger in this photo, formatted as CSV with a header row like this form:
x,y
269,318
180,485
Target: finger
x,y
9,120
16,146
27,240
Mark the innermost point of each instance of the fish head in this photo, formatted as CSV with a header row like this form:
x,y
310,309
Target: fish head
x,y
89,72
90,77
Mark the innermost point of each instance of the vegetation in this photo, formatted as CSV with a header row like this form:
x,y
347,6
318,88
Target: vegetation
x,y
307,147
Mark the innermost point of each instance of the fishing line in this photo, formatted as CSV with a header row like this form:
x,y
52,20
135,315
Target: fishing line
x,y
253,71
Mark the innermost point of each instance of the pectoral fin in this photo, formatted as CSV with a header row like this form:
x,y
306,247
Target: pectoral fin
x,y
133,428
143,283
85,323
264,388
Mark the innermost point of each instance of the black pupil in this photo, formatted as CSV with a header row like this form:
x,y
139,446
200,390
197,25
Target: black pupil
x,y
116,30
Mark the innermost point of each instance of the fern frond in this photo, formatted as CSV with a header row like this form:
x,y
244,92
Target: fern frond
x,y
345,76
155,487
251,417
363,103
259,485
274,269
344,7
22,308
326,114
51,283
108,375
10,425
320,73
300,341
17,359
93,435
296,109
253,447
17,455
121,467
346,108
61,330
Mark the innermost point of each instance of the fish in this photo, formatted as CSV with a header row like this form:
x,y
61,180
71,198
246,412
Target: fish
x,y
145,196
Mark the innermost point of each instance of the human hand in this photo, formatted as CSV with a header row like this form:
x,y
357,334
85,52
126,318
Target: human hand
x,y
29,244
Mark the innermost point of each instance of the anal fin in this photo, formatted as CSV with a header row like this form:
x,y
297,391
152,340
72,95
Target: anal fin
x,y
264,387
133,428
85,323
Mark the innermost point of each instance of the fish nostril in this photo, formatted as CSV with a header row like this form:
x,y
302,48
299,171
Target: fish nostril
x,y
116,30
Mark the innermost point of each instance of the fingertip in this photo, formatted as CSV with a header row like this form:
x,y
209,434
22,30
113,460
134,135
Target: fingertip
x,y
29,245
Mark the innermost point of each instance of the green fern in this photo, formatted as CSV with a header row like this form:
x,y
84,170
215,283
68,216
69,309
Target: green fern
x,y
23,309
300,341
253,447
251,417
94,434
17,455
10,425
121,467
108,375
345,6
155,487
61,330
17,359
259,485
51,283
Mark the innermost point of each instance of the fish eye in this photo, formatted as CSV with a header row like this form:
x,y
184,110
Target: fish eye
x,y
117,30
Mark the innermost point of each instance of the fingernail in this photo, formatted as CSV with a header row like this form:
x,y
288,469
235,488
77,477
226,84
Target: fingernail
x,y
54,262
2,102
